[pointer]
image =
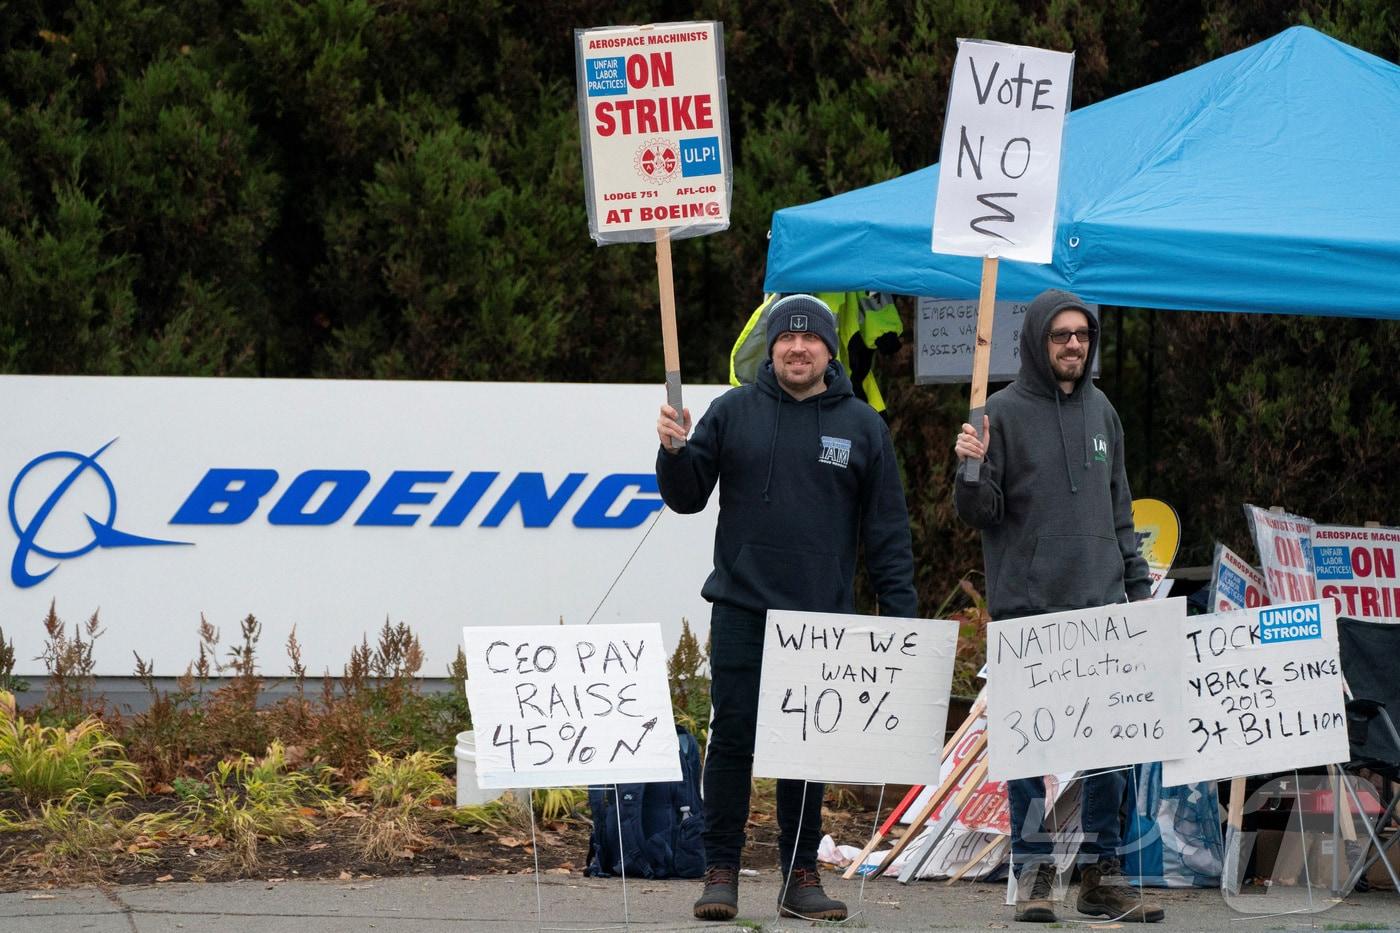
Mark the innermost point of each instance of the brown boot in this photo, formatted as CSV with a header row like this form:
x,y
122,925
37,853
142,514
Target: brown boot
x,y
1104,892
720,899
801,896
1034,889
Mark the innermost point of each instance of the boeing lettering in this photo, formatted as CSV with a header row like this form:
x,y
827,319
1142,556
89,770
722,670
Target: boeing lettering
x,y
231,496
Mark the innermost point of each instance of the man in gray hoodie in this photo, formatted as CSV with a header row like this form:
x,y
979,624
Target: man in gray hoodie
x,y
1055,512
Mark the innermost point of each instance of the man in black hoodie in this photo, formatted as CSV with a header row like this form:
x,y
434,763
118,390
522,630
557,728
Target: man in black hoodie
x,y
807,474
1056,515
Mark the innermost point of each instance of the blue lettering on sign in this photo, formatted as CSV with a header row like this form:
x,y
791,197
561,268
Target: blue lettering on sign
x,y
230,496
1332,562
1290,623
605,76
317,497
1231,585
700,156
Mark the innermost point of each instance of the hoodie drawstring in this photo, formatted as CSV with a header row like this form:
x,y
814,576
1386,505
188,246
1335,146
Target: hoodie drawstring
x,y
1064,444
1083,407
773,444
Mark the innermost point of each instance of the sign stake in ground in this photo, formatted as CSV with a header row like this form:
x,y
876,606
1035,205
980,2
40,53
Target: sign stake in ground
x,y
999,173
654,126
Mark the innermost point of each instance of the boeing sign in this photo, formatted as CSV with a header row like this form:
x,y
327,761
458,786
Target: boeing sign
x,y
327,505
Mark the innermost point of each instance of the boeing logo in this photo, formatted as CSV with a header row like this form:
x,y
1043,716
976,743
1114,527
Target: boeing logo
x,y
104,532
317,497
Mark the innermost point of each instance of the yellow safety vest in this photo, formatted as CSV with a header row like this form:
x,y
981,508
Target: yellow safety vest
x,y
872,316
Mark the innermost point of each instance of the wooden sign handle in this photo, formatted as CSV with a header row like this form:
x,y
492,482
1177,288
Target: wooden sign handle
x,y
978,706
670,346
982,356
974,755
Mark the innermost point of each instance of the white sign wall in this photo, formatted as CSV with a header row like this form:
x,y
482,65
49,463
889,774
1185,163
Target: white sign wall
x,y
330,505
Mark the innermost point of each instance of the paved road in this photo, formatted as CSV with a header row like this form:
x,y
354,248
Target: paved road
x,y
507,904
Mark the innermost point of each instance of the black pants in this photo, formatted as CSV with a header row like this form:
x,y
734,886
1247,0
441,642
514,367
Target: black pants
x,y
736,656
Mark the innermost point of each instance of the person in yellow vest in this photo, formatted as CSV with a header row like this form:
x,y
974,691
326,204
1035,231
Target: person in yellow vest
x,y
865,322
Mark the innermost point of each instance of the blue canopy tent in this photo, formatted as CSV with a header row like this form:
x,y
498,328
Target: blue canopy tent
x,y
1267,181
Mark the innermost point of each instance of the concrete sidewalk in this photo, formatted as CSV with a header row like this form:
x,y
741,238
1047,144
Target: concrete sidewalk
x,y
507,904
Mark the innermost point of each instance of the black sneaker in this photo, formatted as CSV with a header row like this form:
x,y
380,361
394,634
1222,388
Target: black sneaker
x,y
802,897
720,899
1035,889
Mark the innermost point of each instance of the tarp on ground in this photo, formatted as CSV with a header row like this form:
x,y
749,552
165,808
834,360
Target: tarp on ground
x,y
1267,180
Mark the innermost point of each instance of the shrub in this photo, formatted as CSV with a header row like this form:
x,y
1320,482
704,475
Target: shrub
x,y
249,801
69,663
690,687
403,791
78,832
46,763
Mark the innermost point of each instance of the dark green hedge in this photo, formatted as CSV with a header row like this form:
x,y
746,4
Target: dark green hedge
x,y
373,189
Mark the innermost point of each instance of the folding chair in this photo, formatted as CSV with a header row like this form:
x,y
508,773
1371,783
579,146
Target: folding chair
x,y
1370,654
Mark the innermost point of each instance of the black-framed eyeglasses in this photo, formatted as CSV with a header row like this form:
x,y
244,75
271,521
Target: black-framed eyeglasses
x,y
1061,337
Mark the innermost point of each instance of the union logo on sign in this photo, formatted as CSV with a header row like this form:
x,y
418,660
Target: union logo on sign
x,y
656,161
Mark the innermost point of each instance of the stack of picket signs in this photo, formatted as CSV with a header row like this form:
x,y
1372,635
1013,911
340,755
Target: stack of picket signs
x,y
1260,692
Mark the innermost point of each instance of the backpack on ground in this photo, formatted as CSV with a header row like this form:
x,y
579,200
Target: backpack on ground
x,y
662,824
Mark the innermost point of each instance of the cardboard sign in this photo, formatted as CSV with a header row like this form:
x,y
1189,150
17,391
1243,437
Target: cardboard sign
x,y
999,173
1234,584
1086,689
655,130
1263,692
853,698
1355,568
945,332
556,705
1285,553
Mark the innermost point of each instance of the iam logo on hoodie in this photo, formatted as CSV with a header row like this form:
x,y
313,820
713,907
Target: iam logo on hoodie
x,y
1100,448
835,451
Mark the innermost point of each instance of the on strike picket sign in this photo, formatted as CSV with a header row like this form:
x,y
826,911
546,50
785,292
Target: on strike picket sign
x,y
999,174
1355,568
1234,584
556,705
1086,689
655,129
1263,693
853,698
1285,553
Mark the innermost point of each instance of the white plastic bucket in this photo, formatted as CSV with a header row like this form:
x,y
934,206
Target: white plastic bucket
x,y
468,793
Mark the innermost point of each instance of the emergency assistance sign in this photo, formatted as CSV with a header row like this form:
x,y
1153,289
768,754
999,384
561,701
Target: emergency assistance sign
x,y
655,131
